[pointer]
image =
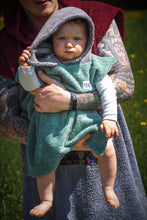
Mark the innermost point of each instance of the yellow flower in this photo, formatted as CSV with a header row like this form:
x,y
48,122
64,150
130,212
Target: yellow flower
x,y
1,22
132,55
140,71
143,123
145,100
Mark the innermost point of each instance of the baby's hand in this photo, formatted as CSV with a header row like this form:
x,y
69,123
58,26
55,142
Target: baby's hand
x,y
110,128
24,57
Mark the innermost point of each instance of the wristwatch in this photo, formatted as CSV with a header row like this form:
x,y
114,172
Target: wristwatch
x,y
73,101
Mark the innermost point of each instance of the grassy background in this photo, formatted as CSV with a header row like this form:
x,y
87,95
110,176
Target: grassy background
x,y
135,112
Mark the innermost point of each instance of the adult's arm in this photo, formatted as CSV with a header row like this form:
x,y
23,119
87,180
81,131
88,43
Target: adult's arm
x,y
12,126
53,98
121,73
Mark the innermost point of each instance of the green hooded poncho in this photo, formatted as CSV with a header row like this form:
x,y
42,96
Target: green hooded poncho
x,y
52,135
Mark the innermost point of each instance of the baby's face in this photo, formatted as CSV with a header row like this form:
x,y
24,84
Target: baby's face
x,y
70,40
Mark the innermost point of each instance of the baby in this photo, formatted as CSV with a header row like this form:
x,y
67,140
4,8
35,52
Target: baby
x,y
63,50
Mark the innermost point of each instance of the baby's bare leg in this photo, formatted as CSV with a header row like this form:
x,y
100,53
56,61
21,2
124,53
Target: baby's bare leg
x,y
45,187
108,167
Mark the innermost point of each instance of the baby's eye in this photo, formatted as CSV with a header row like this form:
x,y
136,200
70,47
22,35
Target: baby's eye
x,y
76,38
61,38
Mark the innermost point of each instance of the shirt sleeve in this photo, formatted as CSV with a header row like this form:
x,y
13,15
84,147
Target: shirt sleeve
x,y
108,98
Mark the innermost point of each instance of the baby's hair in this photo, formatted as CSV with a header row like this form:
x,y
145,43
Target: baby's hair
x,y
78,21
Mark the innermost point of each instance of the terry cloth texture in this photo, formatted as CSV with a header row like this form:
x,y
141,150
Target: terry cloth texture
x,y
51,136
78,192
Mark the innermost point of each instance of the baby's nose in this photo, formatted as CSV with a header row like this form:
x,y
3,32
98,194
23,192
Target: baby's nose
x,y
69,44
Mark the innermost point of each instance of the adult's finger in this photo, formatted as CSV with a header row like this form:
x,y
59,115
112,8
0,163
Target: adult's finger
x,y
48,80
37,108
102,127
80,145
44,77
116,133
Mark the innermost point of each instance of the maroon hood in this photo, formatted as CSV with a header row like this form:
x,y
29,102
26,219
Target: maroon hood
x,y
16,23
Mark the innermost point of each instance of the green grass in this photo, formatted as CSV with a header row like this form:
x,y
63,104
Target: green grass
x,y
10,181
135,112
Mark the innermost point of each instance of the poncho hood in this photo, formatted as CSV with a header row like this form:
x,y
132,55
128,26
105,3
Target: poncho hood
x,y
42,53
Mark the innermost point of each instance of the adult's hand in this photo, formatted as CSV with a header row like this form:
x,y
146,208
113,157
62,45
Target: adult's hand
x,y
51,98
80,145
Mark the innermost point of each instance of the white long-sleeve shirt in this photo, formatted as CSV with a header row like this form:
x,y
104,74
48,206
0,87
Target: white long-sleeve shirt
x,y
108,98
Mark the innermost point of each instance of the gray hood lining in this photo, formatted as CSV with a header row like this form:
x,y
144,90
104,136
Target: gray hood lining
x,y
42,53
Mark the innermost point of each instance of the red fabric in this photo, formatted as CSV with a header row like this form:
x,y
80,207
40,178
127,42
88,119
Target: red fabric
x,y
18,33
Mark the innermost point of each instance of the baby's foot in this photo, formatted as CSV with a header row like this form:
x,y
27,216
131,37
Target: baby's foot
x,y
41,209
111,197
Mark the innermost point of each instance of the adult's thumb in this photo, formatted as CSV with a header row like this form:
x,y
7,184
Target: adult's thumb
x,y
44,77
